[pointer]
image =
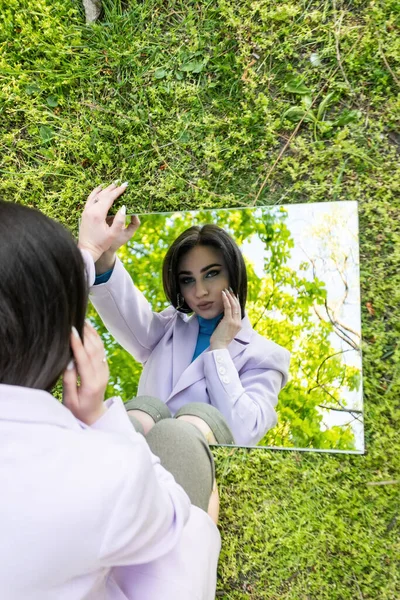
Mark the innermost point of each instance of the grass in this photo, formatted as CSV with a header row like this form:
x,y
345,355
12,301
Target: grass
x,y
207,104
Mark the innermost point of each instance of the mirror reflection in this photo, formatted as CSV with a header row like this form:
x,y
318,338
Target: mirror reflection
x,y
219,300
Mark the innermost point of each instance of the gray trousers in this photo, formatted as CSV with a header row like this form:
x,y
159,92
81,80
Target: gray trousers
x,y
184,452
181,447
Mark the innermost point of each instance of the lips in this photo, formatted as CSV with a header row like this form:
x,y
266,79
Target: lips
x,y
205,305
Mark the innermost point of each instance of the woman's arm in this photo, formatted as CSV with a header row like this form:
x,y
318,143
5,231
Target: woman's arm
x,y
127,314
122,307
247,400
142,509
149,511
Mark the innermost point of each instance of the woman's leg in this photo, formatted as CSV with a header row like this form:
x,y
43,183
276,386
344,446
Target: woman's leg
x,y
183,451
182,447
209,420
145,411
141,421
182,444
201,426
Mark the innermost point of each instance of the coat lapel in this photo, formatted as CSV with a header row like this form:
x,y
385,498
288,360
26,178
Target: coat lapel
x,y
183,345
185,372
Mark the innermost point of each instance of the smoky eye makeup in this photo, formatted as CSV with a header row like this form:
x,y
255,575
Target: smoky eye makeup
x,y
185,280
213,273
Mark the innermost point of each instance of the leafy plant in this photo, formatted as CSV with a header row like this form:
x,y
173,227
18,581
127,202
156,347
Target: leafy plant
x,y
315,113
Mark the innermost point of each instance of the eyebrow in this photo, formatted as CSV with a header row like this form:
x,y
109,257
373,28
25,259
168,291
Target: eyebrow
x,y
201,270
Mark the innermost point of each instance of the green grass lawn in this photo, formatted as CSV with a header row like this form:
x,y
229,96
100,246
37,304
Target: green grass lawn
x,y
239,103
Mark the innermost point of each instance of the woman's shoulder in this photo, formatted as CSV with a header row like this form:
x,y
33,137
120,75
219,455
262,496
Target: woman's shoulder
x,y
265,342
178,317
266,352
175,317
259,343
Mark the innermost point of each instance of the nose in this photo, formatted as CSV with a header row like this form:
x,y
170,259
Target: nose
x,y
201,290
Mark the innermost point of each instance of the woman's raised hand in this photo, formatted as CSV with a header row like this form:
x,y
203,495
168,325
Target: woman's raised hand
x,y
100,234
231,323
86,400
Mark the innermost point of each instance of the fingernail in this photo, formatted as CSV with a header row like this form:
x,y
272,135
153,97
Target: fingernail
x,y
70,365
224,292
87,321
125,184
75,332
231,290
122,210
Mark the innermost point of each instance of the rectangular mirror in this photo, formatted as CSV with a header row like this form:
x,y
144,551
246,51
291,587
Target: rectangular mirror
x,y
302,265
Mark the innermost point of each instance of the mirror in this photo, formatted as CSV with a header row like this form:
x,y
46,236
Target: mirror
x,y
303,294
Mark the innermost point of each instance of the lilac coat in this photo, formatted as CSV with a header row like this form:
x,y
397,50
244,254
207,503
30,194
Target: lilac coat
x,y
243,381
88,513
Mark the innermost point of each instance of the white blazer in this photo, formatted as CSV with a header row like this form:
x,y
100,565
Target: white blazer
x,y
88,513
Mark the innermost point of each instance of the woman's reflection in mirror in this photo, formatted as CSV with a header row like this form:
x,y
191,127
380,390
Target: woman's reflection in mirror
x,y
201,356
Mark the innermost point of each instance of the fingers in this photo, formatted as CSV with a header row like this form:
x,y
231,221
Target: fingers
x,y
82,361
118,229
94,346
132,227
93,195
107,195
111,193
118,224
235,305
111,187
70,391
90,357
226,303
135,222
99,373
213,505
231,304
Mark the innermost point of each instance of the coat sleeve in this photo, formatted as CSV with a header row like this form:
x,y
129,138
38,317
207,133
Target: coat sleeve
x,y
126,313
149,510
188,572
183,566
246,400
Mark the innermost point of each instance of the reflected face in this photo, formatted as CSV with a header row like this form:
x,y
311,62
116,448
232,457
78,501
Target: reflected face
x,y
202,276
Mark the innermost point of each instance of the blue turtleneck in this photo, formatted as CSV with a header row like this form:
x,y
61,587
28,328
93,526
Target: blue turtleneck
x,y
206,329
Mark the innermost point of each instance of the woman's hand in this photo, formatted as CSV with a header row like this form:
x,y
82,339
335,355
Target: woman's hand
x,y
213,504
231,323
100,234
107,259
86,401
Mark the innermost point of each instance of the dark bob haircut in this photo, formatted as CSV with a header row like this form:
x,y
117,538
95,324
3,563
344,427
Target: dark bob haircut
x,y
43,292
208,235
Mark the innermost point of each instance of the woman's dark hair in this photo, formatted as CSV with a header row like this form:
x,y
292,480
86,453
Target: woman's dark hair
x,y
208,235
43,292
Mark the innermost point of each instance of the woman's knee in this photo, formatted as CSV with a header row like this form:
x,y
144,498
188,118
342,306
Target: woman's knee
x,y
212,418
145,411
201,425
184,452
145,420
